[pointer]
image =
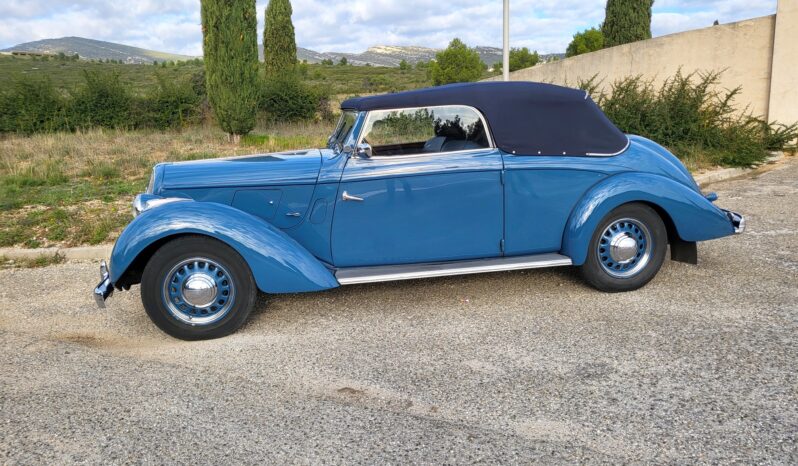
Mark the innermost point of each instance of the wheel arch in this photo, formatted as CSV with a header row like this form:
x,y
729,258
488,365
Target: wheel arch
x,y
278,263
687,215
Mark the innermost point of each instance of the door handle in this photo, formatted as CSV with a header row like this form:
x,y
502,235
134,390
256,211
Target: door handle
x,y
348,197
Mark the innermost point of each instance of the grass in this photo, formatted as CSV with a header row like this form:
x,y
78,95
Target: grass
x,y
41,261
68,189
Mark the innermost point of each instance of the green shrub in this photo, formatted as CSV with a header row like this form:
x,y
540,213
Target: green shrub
x,y
689,114
102,101
284,97
171,105
32,106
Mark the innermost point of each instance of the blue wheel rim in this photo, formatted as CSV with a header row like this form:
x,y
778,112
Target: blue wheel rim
x,y
624,248
198,291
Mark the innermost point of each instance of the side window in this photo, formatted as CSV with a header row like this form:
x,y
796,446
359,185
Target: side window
x,y
424,130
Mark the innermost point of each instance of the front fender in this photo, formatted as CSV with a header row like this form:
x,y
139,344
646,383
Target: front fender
x,y
693,216
279,264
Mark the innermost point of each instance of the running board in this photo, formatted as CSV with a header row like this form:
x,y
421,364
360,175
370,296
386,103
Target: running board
x,y
386,273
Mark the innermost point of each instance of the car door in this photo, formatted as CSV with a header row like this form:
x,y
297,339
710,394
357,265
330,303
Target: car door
x,y
430,191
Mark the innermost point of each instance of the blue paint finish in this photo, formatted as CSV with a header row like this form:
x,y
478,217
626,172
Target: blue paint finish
x,y
261,203
279,264
695,218
538,202
419,209
314,231
279,169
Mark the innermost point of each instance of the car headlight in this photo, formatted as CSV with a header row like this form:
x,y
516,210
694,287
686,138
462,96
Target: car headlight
x,y
145,201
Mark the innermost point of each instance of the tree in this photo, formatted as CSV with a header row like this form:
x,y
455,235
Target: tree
x,y
520,59
279,42
403,65
230,48
327,62
586,41
458,63
343,61
626,21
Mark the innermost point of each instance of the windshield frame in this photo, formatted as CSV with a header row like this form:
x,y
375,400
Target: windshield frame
x,y
343,130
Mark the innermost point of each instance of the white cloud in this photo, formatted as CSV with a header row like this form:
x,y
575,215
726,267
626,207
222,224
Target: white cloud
x,y
354,25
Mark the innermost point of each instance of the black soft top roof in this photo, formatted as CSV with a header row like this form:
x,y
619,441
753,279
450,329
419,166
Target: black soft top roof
x,y
525,118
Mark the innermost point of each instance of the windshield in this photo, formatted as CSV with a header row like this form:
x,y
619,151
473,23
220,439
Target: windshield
x,y
343,129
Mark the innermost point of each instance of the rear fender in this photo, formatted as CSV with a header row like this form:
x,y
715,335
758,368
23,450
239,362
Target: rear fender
x,y
693,216
279,264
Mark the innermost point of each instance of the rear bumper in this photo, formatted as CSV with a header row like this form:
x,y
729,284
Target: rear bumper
x,y
737,221
104,289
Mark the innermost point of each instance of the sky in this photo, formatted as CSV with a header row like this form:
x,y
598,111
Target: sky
x,y
354,25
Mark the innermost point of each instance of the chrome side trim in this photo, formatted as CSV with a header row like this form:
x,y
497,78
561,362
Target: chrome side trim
x,y
628,143
385,273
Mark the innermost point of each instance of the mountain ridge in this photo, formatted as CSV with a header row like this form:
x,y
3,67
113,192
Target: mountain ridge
x,y
377,55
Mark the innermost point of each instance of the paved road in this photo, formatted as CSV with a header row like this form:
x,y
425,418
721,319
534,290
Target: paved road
x,y
700,366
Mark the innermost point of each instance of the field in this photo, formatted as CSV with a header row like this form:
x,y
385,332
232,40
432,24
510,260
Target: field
x,y
339,80
69,189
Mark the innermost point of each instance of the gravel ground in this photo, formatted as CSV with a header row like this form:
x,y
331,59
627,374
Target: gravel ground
x,y
699,366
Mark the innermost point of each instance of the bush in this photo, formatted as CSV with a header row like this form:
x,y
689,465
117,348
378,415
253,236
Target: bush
x,y
690,115
171,105
284,97
102,101
32,106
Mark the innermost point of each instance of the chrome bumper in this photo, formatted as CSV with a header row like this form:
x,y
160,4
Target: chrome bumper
x,y
737,220
104,289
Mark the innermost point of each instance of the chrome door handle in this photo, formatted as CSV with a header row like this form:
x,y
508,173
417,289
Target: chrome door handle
x,y
348,197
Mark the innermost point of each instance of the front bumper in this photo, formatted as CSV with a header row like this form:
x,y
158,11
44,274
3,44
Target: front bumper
x,y
737,220
104,289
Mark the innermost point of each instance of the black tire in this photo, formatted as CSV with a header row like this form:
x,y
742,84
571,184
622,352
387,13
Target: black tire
x,y
218,271
636,221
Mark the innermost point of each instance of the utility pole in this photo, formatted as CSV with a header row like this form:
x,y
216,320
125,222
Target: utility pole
x,y
506,52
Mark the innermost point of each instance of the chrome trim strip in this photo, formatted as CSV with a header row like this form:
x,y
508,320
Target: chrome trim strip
x,y
491,144
384,273
628,143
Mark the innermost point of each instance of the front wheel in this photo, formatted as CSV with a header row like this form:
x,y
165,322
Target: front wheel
x,y
626,250
196,288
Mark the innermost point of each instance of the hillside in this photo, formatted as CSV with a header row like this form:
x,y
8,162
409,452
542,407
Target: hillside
x,y
90,49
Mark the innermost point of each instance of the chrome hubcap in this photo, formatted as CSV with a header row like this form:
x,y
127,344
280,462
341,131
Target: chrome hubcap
x,y
624,248
198,291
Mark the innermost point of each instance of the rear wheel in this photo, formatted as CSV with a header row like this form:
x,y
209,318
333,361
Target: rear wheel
x,y
626,250
196,288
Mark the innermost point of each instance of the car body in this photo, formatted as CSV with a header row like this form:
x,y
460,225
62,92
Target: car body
x,y
449,180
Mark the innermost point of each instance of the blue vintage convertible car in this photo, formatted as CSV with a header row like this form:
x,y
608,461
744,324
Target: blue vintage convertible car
x,y
456,179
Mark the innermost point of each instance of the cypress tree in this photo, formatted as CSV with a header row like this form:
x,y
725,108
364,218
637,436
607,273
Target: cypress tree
x,y
626,21
230,49
279,43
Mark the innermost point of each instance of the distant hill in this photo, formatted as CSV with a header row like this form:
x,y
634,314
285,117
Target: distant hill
x,y
90,49
379,55
392,55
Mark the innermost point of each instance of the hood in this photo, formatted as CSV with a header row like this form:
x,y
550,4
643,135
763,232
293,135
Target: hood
x,y
279,168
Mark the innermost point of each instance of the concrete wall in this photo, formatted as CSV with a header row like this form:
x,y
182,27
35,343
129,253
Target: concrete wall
x,y
784,76
745,50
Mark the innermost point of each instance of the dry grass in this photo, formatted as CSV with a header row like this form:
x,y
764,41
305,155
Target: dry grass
x,y
67,189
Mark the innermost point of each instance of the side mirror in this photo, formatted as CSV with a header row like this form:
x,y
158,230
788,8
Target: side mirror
x,y
364,150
